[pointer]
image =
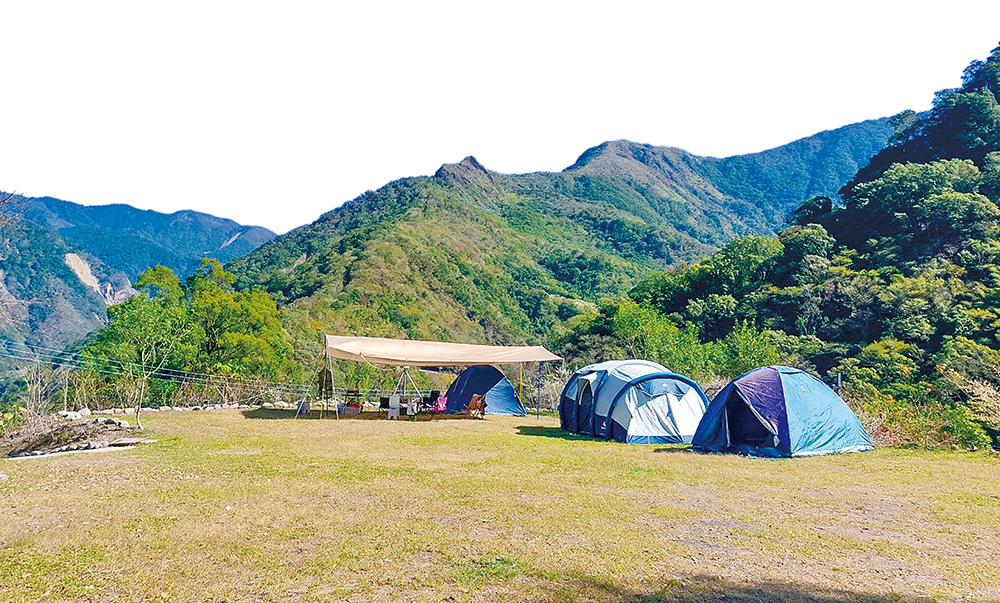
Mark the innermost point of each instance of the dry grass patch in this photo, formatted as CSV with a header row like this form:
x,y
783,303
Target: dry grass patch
x,y
240,507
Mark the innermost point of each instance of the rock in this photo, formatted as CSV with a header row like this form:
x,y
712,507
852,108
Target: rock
x,y
124,442
268,405
73,415
63,413
150,409
3,477
117,411
95,444
84,412
178,408
124,424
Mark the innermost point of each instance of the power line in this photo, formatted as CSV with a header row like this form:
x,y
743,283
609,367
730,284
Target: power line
x,y
114,367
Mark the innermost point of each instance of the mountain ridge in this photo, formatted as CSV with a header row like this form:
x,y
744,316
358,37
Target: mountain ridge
x,y
63,263
473,255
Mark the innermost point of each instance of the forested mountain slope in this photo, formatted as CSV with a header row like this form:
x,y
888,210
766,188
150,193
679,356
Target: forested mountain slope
x,y
130,240
473,255
62,264
894,289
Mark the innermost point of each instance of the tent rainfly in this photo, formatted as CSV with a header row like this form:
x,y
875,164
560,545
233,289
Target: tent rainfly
x,y
777,411
488,381
408,352
632,401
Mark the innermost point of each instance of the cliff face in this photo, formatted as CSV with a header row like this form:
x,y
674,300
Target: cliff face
x,y
113,291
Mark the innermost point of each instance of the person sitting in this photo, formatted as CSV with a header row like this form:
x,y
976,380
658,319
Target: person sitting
x,y
477,407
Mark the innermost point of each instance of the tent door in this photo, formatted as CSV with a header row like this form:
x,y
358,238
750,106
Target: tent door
x,y
745,427
585,407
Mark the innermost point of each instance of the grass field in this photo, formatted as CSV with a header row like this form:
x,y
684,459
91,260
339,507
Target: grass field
x,y
254,506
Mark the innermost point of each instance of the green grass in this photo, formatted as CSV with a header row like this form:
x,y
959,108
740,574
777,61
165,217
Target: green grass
x,y
225,507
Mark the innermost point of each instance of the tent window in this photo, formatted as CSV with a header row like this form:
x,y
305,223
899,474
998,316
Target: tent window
x,y
744,426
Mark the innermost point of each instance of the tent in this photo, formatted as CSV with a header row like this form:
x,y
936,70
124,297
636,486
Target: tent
x,y
646,403
777,411
501,399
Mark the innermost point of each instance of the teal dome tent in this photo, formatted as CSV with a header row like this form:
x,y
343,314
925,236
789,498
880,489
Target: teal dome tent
x,y
778,411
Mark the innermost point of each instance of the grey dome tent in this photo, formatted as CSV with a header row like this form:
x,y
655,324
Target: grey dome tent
x,y
778,411
632,401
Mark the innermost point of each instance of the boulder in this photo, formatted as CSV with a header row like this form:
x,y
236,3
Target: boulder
x,y
73,415
84,412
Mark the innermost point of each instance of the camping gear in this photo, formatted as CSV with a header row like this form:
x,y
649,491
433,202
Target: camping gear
x,y
778,411
632,401
430,400
408,352
393,407
440,406
489,382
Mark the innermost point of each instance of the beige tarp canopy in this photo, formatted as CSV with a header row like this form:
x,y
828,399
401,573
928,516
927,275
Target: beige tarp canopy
x,y
407,352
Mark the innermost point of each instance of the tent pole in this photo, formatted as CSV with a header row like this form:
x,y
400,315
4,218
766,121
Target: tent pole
x,y
520,386
538,401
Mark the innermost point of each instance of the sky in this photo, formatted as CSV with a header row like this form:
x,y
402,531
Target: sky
x,y
274,113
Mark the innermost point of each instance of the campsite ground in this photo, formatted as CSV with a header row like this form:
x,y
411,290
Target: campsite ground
x,y
255,506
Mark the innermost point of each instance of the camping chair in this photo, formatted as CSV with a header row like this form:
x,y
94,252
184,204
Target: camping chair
x,y
430,401
440,406
477,407
352,402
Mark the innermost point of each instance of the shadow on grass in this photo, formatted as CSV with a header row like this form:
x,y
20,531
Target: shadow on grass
x,y
703,588
674,448
554,432
367,415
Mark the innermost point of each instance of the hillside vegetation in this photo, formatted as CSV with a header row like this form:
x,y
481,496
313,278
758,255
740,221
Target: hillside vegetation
x,y
893,289
62,264
130,240
473,255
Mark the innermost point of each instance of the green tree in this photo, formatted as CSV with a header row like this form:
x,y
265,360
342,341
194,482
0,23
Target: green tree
x,y
239,332
143,337
745,348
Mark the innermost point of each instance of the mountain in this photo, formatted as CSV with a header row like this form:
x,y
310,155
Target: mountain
x,y
62,264
130,240
474,255
894,291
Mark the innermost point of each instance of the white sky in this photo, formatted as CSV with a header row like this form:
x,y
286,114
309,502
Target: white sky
x,y
273,113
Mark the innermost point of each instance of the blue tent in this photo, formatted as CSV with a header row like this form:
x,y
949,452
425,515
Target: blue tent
x,y
633,401
501,399
778,411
